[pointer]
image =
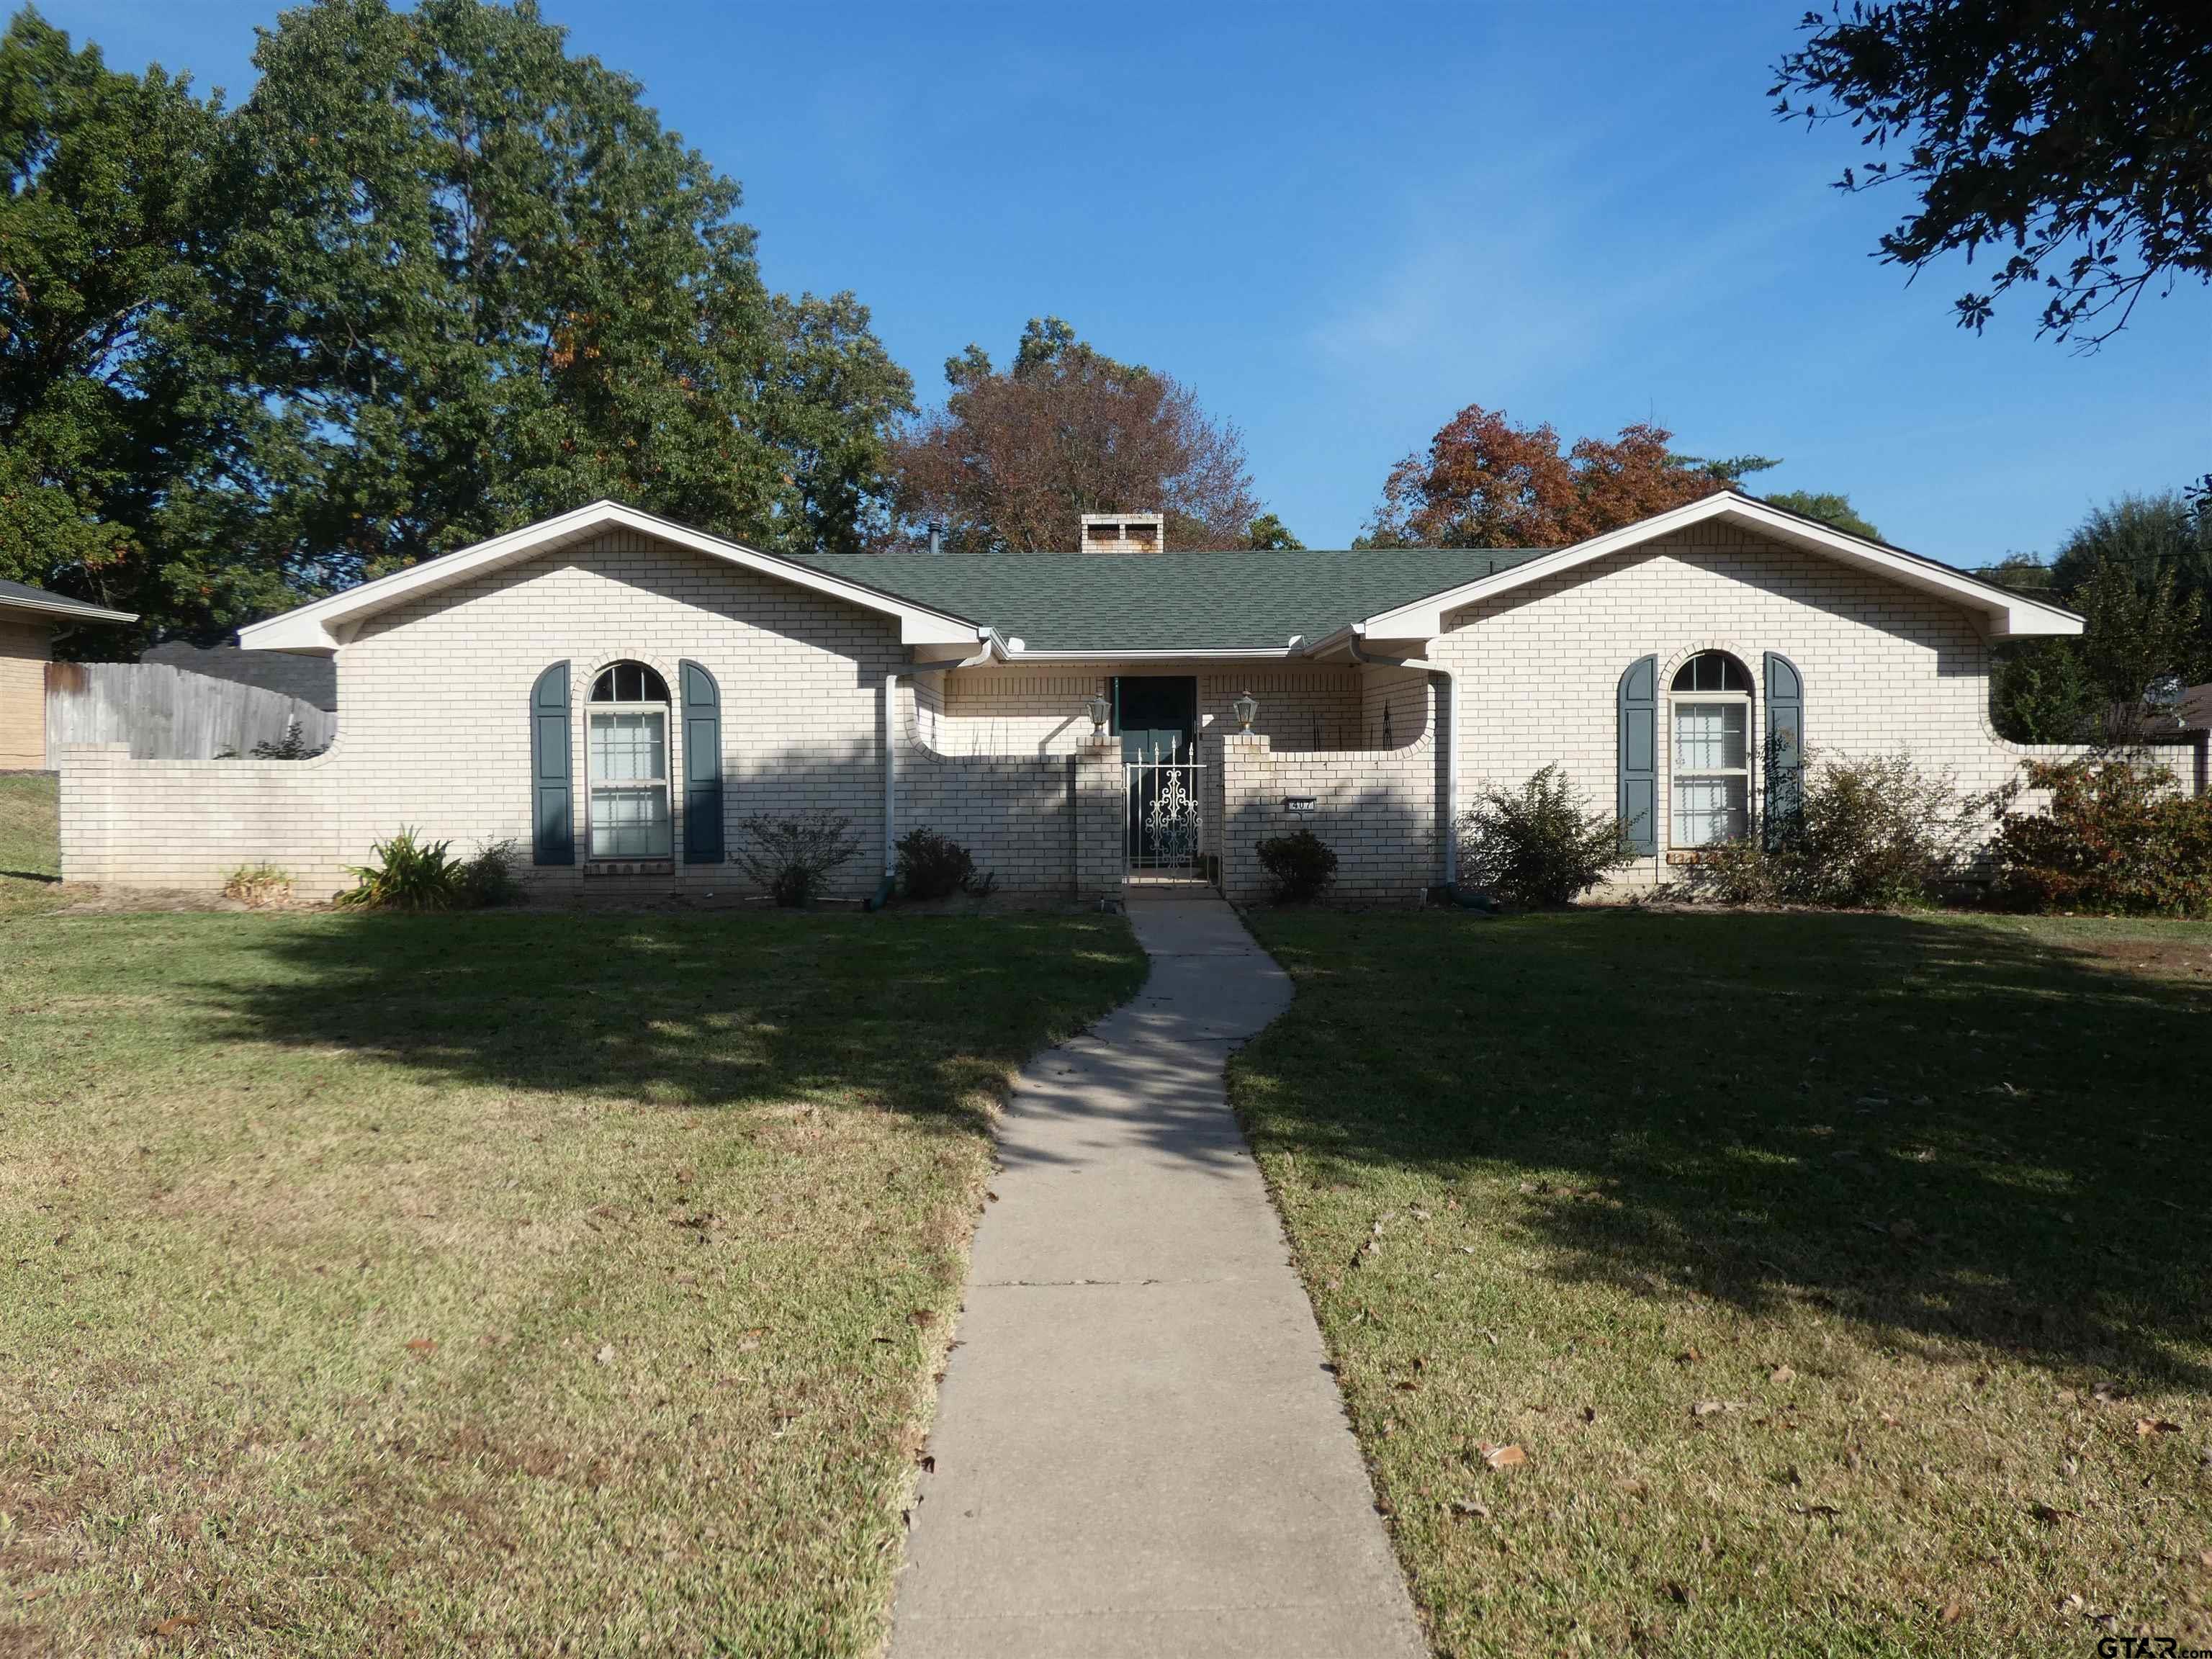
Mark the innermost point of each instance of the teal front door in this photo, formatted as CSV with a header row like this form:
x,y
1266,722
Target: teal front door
x,y
1157,716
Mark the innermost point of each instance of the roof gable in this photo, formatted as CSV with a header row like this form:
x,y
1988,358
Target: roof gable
x,y
327,624
2010,614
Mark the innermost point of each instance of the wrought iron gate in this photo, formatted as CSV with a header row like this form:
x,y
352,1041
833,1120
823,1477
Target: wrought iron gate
x,y
1165,822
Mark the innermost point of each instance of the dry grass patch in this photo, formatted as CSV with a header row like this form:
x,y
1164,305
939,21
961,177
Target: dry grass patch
x,y
496,1283
1715,1284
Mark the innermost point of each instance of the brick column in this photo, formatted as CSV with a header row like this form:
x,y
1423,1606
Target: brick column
x,y
90,830
1101,801
1245,762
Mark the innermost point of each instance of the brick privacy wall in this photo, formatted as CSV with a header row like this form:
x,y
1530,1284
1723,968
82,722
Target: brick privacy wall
x,y
24,649
1885,668
189,823
1015,813
1375,807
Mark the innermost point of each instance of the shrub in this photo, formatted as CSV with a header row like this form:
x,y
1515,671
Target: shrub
x,y
1538,844
1300,865
407,875
1868,834
490,877
931,866
258,884
290,746
2118,837
790,856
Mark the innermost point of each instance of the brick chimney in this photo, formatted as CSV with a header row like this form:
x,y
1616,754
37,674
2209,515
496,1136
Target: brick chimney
x,y
1124,532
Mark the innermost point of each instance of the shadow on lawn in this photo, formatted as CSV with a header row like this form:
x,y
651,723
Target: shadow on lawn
x,y
1945,1130
713,1009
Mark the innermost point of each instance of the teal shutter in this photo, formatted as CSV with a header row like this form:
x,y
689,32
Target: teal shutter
x,y
1786,743
1639,754
552,819
703,765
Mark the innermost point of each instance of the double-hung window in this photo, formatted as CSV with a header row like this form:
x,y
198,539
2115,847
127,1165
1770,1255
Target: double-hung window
x,y
1711,751
627,732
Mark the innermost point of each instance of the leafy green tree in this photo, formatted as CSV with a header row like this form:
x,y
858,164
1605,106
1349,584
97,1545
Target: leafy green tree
x,y
1829,508
492,286
2096,688
128,451
1269,534
2073,141
2151,536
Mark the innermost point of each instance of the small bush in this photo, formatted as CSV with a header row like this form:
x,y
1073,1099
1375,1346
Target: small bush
x,y
931,866
1300,865
1540,844
2118,837
488,878
1868,834
258,885
407,875
791,856
290,746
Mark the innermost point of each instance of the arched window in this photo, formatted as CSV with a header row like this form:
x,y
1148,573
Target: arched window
x,y
1709,758
628,746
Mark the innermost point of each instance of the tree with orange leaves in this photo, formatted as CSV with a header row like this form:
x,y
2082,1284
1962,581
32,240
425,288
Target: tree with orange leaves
x,y
1487,483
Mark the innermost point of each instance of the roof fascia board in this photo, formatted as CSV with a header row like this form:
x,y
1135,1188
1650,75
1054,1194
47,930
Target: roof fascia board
x,y
2011,615
321,626
72,609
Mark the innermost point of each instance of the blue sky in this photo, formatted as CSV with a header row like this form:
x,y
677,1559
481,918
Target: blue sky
x,y
1339,223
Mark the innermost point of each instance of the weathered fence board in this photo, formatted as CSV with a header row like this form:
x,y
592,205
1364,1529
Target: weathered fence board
x,y
169,713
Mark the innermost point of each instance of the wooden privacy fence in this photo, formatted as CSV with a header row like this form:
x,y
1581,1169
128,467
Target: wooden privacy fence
x,y
169,714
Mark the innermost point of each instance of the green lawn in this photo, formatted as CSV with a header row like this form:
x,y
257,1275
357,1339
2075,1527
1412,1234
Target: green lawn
x,y
503,1283
1844,1281
29,846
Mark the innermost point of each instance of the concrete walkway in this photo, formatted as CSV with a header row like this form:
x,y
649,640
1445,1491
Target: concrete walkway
x,y
1138,1449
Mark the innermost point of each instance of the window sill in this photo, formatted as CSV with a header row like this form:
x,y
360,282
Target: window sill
x,y
594,867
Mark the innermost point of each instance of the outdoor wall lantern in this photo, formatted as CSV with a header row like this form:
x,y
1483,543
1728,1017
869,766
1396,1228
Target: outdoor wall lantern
x,y
1098,709
1248,710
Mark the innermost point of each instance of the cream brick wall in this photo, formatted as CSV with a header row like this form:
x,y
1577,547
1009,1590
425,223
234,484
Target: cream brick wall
x,y
1376,808
24,650
1035,709
1885,668
189,823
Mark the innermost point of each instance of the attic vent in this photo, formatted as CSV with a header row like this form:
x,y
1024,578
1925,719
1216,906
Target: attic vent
x,y
1123,532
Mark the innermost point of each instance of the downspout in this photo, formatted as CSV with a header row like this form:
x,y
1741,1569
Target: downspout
x,y
1448,798
883,893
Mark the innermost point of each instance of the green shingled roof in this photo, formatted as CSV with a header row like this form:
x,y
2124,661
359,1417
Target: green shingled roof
x,y
1168,601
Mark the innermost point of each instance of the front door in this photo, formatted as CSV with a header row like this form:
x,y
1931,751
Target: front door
x,y
1156,715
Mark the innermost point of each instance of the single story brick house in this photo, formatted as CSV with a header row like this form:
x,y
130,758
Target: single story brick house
x,y
31,619
616,694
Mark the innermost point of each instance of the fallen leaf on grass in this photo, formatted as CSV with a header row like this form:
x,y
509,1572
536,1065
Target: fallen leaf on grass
x,y
2105,1394
1821,1509
606,1356
420,1344
1675,1593
1688,1357
1954,1611
928,1463
1468,1509
2147,1426
924,1317
1782,1374
2050,1516
1501,1457
177,1626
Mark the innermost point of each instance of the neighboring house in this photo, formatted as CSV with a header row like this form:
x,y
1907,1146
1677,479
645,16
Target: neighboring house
x,y
617,694
31,619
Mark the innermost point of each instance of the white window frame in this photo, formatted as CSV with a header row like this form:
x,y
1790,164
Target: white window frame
x,y
1678,774
593,785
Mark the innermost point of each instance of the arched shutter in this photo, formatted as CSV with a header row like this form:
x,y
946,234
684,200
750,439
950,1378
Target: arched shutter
x,y
1639,754
1786,743
703,765
552,820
